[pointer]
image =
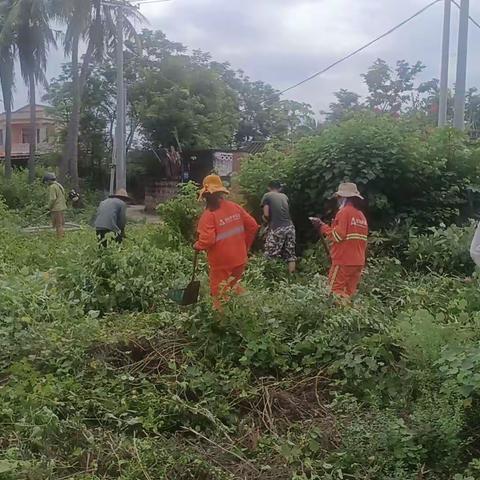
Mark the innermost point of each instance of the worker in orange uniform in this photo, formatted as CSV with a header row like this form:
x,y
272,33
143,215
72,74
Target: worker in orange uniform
x,y
348,236
226,232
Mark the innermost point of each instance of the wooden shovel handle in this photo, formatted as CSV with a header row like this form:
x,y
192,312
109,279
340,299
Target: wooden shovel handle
x,y
195,264
325,245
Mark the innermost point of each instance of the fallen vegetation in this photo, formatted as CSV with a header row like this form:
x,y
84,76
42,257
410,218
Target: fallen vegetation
x,y
104,378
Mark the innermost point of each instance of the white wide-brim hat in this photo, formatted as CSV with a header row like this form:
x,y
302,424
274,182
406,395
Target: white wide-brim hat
x,y
348,190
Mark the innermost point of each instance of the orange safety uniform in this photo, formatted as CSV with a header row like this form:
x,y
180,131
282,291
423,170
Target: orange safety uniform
x,y
348,235
226,234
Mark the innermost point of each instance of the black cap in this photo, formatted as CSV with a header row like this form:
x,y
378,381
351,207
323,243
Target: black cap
x,y
275,184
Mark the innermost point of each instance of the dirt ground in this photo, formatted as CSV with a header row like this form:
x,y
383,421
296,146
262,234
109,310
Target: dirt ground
x,y
136,213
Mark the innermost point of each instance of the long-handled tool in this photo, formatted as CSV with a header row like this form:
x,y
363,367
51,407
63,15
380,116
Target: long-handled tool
x,y
325,245
189,294
42,228
322,238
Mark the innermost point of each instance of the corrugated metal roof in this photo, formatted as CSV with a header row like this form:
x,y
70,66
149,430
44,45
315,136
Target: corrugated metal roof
x,y
255,147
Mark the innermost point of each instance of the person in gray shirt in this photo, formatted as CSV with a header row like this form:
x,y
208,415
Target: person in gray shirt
x,y
112,217
280,241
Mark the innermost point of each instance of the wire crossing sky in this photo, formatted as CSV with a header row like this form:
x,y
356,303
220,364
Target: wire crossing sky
x,y
284,41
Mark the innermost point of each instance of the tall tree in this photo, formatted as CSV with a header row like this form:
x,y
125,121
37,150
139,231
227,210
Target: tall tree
x,y
391,89
97,117
7,59
28,21
92,21
347,102
263,115
77,14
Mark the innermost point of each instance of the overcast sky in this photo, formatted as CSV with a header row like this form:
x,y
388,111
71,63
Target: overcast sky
x,y
284,41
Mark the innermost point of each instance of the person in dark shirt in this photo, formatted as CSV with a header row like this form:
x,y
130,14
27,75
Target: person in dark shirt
x,y
112,217
280,240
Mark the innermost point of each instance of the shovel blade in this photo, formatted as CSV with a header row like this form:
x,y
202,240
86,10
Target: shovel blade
x,y
186,296
190,294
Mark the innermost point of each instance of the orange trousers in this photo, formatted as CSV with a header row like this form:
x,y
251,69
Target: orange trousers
x,y
344,279
223,281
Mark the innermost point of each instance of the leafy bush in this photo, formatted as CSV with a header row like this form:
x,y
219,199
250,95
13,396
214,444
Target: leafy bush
x,y
103,377
442,249
424,336
182,212
400,174
19,194
259,170
462,366
406,174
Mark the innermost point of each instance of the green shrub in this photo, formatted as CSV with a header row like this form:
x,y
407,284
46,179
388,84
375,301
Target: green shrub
x,y
406,174
103,377
442,250
19,194
375,152
181,213
461,365
259,170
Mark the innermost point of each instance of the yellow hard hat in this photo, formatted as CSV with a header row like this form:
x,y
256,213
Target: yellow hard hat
x,y
212,184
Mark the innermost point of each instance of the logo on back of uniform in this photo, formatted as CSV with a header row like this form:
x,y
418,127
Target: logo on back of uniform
x,y
358,222
232,218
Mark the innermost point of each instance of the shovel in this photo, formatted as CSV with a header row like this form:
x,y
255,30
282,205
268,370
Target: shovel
x,y
189,294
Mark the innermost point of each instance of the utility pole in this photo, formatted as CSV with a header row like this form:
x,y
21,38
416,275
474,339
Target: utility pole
x,y
460,85
443,101
120,134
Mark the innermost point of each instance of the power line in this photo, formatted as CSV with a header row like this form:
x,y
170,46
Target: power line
x,y
332,65
470,17
134,3
341,60
146,2
350,55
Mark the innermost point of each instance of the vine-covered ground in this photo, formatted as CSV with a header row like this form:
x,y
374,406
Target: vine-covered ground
x,y
102,377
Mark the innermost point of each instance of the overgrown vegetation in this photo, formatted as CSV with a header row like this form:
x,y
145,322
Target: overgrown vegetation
x,y
104,378
409,175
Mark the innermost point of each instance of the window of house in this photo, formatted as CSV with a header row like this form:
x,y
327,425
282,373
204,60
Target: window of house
x,y
25,135
1,136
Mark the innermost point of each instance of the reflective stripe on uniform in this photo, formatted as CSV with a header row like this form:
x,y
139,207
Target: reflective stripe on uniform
x,y
356,236
230,233
336,236
334,277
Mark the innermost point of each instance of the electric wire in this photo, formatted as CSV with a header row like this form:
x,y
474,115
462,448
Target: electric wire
x,y
275,97
146,2
470,17
358,50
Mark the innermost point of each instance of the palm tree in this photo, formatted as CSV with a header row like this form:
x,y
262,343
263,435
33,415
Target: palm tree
x,y
7,59
77,14
7,81
28,21
89,20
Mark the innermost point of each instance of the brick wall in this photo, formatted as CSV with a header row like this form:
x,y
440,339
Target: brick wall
x,y
159,192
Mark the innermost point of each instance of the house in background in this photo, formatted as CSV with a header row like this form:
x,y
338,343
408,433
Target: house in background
x,y
21,134
195,165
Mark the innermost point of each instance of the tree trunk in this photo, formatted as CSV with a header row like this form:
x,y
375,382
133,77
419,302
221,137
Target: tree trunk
x,y
6,79
69,161
8,138
33,128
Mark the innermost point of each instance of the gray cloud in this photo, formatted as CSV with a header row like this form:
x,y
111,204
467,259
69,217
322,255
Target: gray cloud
x,y
283,41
